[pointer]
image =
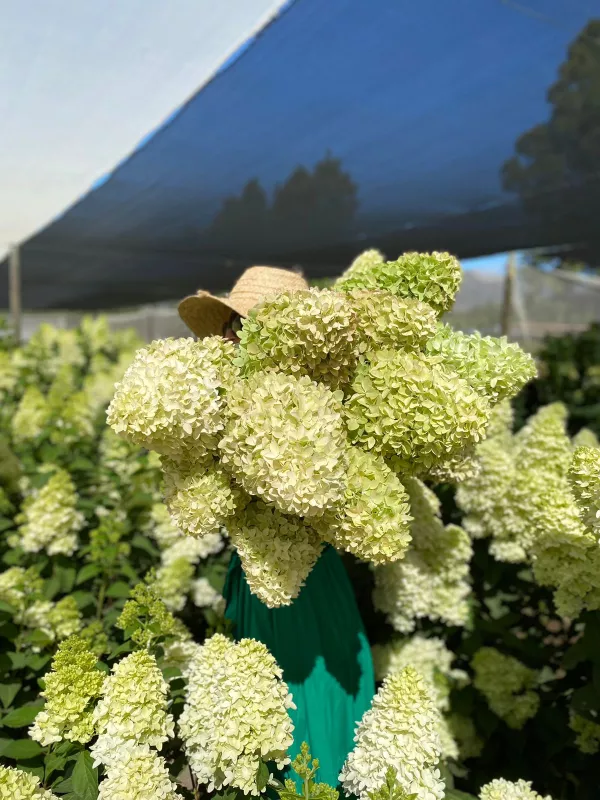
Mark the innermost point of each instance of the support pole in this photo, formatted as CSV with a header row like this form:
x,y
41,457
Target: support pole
x,y
507,302
14,290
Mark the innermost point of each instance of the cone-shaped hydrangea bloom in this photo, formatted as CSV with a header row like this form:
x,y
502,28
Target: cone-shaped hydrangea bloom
x,y
9,374
73,682
543,442
433,661
137,773
171,398
191,549
73,420
400,731
19,587
413,412
200,498
205,596
147,616
585,438
303,333
286,442
386,321
373,520
430,657
461,467
133,705
56,620
432,580
161,526
588,733
584,477
493,367
507,685
49,519
31,417
277,552
433,278
362,263
173,581
236,714
500,789
18,785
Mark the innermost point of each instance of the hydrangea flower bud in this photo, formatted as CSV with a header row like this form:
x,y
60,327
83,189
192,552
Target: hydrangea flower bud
x,y
500,789
507,685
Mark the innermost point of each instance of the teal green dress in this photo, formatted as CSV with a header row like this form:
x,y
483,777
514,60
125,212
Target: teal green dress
x,y
320,643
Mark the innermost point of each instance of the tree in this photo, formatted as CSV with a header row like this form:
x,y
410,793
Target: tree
x,y
556,166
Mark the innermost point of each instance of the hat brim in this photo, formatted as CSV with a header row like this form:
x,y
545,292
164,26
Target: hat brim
x,y
205,314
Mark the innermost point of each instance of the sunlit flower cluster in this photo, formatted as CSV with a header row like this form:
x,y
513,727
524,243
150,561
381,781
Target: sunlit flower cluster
x,y
400,731
18,785
286,442
31,416
500,789
535,498
69,688
173,581
587,733
133,707
508,686
277,551
373,521
433,661
303,333
433,278
138,773
49,519
171,398
236,714
205,595
333,400
432,580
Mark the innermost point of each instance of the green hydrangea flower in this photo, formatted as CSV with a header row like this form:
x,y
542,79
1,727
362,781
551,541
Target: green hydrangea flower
x,y
225,739
171,398
373,520
500,789
145,616
584,477
286,442
432,580
433,278
18,785
173,582
386,321
277,552
413,412
303,333
137,773
70,687
403,703
507,685
31,417
493,367
201,497
588,733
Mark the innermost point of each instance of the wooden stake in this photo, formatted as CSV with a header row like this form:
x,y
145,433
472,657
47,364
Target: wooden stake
x,y
14,290
507,303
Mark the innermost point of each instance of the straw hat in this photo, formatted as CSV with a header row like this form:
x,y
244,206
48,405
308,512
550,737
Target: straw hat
x,y
205,314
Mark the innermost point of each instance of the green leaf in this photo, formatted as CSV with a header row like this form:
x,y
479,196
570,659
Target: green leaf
x,y
262,776
84,599
63,786
85,778
143,543
118,589
54,763
454,794
23,716
8,692
86,573
52,587
7,608
67,578
22,748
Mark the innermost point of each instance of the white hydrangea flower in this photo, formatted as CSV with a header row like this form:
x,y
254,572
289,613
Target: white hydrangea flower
x,y
171,398
205,596
277,552
432,580
18,785
172,583
200,497
137,773
236,714
133,704
50,520
31,417
500,789
286,442
191,549
162,528
400,731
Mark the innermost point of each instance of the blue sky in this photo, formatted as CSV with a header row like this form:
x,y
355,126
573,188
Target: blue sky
x,y
495,263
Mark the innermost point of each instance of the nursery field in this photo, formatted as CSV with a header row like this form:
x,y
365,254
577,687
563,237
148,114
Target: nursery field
x,y
462,490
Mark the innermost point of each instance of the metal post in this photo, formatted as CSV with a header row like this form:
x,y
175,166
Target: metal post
x,y
507,302
14,290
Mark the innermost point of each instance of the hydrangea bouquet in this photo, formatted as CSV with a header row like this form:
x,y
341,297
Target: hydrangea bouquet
x,y
321,426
